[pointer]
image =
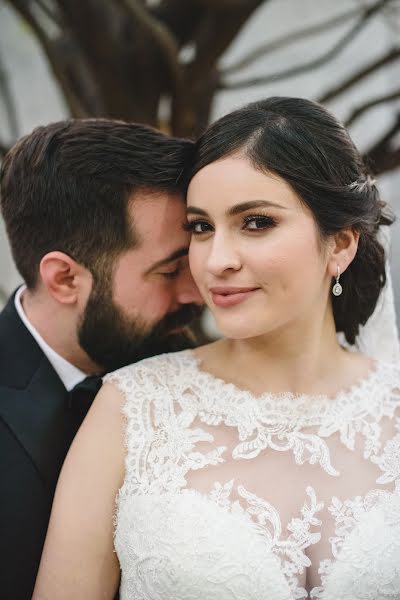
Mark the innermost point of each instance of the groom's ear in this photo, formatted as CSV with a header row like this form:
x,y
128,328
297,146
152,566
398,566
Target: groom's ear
x,y
343,250
65,279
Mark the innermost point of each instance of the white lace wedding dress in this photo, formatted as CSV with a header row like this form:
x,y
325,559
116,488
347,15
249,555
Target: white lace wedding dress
x,y
228,496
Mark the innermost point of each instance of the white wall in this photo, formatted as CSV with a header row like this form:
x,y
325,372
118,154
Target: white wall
x,y
38,100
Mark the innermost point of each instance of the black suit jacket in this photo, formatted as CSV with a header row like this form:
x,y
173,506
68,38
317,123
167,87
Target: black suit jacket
x,y
37,426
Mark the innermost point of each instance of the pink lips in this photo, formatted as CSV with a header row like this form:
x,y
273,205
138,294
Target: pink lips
x,y
229,296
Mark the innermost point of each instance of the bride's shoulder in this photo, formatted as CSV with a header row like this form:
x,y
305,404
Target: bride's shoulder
x,y
389,373
382,385
156,370
370,374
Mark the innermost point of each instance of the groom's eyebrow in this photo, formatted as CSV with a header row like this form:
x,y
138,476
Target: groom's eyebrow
x,y
168,259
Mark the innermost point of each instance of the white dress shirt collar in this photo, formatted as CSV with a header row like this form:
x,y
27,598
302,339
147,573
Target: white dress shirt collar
x,y
68,373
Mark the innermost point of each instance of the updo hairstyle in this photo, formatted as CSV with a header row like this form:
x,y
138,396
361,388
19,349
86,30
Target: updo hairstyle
x,y
304,144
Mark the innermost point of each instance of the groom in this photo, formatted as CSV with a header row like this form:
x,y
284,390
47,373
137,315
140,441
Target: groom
x,y
94,212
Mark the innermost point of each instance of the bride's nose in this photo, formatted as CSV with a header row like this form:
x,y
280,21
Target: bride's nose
x,y
224,255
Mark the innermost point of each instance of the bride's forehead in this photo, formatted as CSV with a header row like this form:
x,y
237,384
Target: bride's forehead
x,y
232,180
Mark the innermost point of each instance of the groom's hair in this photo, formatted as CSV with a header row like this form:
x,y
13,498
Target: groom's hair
x,y
67,185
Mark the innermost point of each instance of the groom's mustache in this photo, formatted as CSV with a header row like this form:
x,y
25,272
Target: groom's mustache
x,y
181,317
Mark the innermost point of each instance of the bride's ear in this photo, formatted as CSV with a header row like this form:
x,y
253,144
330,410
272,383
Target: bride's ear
x,y
343,250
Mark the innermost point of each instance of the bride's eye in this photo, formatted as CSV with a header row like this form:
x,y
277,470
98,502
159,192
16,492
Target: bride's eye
x,y
198,227
258,222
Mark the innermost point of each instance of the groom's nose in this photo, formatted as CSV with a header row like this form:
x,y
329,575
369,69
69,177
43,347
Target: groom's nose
x,y
187,291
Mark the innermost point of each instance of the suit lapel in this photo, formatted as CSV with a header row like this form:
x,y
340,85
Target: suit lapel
x,y
33,400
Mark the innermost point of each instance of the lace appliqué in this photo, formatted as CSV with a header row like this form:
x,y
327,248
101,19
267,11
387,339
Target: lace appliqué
x,y
365,549
278,421
259,430
166,398
172,453
389,460
161,443
289,549
350,513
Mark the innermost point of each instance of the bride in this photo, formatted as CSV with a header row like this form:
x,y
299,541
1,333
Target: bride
x,y
266,465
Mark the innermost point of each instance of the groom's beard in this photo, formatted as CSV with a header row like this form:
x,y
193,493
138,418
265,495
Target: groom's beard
x,y
113,340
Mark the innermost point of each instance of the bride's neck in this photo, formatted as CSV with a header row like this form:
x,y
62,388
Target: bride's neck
x,y
305,358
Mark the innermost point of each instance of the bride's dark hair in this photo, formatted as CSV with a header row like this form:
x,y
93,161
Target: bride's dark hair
x,y
303,143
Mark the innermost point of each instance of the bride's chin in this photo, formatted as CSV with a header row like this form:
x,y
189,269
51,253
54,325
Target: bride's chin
x,y
237,331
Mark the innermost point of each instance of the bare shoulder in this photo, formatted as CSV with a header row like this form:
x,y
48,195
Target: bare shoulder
x,y
101,435
356,365
78,559
107,407
109,400
358,368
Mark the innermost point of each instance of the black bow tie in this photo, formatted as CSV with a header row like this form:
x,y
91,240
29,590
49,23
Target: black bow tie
x,y
82,395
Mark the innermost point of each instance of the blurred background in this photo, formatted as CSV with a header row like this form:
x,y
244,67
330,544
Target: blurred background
x,y
179,64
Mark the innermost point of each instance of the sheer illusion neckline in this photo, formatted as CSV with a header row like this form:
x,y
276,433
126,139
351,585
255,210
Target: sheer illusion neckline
x,y
194,519
362,384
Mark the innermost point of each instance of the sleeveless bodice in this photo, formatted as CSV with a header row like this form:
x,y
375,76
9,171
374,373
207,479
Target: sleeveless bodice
x,y
228,496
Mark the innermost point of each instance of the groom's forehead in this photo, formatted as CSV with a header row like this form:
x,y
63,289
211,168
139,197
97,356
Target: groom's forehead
x,y
155,214
157,219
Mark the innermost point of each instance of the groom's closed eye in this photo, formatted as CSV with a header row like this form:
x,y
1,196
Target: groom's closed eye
x,y
176,269
165,263
172,273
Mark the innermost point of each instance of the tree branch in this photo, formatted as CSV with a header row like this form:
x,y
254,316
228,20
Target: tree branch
x,y
51,15
67,64
157,30
360,110
3,149
123,53
385,60
216,32
22,7
382,156
226,5
347,38
168,45
180,17
6,94
287,40
3,296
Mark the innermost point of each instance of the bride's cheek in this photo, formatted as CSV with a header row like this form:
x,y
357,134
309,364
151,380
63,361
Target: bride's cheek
x,y
197,262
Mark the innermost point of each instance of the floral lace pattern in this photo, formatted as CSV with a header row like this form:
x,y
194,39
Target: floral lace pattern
x,y
372,526
233,542
291,549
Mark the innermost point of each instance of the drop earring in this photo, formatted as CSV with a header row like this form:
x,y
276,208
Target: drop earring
x,y
337,288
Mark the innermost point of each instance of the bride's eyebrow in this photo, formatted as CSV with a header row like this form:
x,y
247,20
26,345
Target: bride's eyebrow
x,y
237,208
195,211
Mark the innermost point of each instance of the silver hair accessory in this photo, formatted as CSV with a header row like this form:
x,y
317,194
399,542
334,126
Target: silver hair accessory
x,y
337,288
365,181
